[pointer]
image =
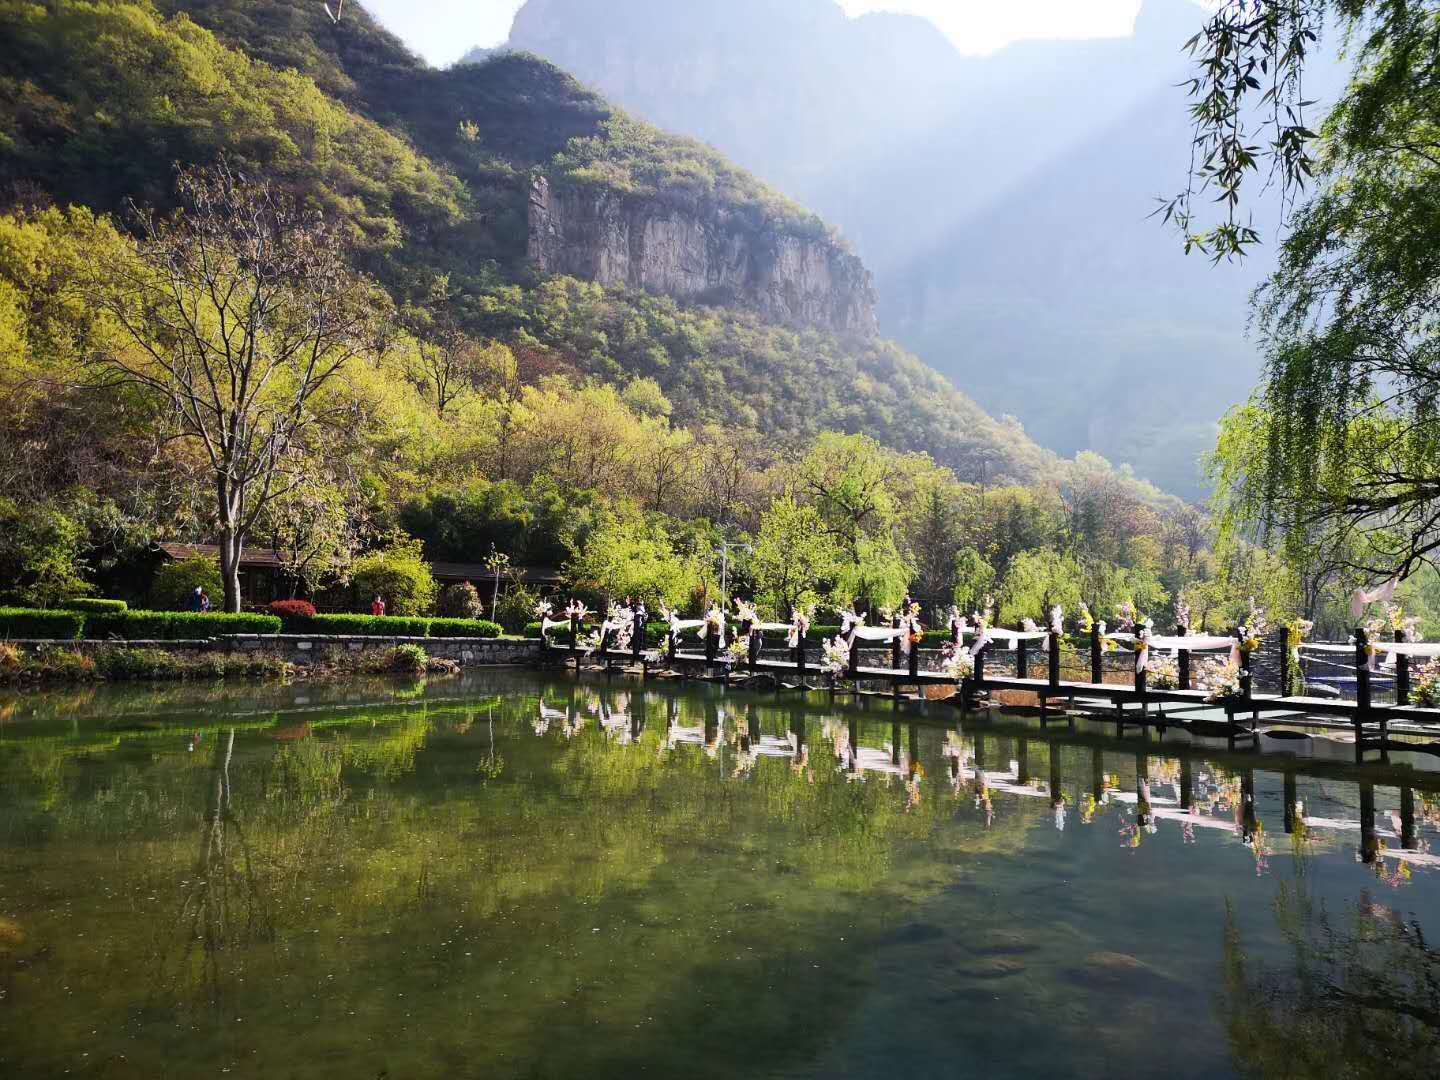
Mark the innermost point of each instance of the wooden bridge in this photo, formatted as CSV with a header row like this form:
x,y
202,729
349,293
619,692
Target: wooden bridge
x,y
1129,703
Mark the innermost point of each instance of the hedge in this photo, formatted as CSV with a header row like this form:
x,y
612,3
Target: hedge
x,y
176,625
361,626
655,632
93,606
18,623
463,628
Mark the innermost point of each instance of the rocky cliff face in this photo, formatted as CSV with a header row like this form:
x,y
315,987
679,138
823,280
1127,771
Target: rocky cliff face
x,y
634,242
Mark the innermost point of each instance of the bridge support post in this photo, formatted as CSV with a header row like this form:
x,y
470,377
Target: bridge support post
x,y
1053,661
1362,689
1097,668
1184,660
1402,674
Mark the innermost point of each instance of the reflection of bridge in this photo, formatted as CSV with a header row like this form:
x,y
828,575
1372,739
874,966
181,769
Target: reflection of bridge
x,y
1135,701
1178,784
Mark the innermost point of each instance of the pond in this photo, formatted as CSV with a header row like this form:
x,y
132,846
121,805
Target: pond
x,y
518,875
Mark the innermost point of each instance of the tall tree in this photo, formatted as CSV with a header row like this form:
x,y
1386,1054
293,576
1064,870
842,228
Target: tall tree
x,y
240,312
1342,441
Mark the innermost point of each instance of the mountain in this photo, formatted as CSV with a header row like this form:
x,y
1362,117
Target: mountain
x,y
1003,201
559,222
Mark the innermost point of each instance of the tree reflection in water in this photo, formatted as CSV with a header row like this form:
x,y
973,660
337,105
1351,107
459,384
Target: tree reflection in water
x,y
223,908
1360,1000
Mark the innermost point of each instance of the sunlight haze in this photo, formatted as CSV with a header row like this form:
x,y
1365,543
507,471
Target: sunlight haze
x,y
443,30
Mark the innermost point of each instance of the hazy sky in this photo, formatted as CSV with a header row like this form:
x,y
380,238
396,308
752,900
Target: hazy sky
x,y
442,30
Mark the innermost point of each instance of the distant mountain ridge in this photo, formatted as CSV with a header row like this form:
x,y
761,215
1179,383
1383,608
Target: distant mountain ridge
x,y
1002,202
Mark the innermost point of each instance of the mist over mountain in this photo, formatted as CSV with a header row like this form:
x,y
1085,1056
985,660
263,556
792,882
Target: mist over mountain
x,y
1002,202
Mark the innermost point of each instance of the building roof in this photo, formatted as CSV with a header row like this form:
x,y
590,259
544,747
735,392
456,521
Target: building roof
x,y
259,558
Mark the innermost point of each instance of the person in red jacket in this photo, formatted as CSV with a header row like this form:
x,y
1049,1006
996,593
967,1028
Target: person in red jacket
x,y
377,606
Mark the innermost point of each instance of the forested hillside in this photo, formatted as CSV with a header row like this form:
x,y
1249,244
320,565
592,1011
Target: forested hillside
x,y
1002,201
473,405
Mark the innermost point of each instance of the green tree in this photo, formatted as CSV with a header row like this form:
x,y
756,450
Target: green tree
x,y
399,574
794,560
1341,446
240,312
173,587
974,580
629,555
1035,582
40,555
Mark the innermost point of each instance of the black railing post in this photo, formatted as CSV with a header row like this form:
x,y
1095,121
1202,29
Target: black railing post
x,y
1022,658
574,633
637,636
756,639
895,644
800,656
670,644
712,642
980,655
1362,670
1183,663
1284,661
1054,660
1142,660
1097,666
854,657
915,652
1402,673
1246,678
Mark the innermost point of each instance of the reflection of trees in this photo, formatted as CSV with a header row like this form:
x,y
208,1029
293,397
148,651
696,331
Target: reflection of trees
x,y
1361,1000
223,907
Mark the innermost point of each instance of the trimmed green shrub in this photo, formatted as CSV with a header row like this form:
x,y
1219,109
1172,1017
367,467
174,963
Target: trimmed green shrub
x,y
18,623
94,606
175,584
461,628
363,626
176,625
460,601
399,574
121,664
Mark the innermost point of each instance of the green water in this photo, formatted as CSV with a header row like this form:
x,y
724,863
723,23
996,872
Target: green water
x,y
513,876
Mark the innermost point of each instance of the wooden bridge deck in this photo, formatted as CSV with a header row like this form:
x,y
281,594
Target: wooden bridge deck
x,y
1117,695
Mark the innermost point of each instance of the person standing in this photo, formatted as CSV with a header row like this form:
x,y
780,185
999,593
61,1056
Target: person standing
x,y
377,606
197,599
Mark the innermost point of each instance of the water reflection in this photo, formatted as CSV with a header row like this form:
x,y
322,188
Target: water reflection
x,y
513,876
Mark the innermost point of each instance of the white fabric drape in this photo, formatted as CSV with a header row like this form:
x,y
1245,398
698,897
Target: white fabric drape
x,y
878,633
547,624
1193,644
1362,599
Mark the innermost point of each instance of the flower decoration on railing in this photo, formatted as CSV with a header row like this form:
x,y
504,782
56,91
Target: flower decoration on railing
x,y
1252,632
911,622
577,610
623,635
1029,626
799,627
1220,679
1057,619
1087,621
987,613
1426,691
1182,615
1128,617
1403,627
957,623
835,660
1107,643
542,611
1163,673
746,612
714,624
1142,649
956,662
